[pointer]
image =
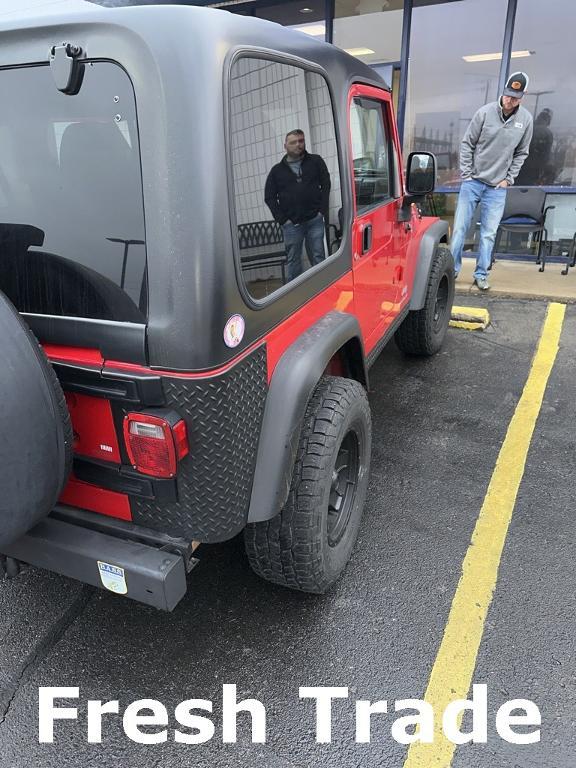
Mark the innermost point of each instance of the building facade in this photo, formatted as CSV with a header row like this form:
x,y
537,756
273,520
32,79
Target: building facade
x,y
444,59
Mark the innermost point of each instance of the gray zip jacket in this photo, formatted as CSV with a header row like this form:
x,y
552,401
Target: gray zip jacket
x,y
493,148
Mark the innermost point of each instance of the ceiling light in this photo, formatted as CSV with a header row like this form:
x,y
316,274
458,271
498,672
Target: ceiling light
x,y
225,3
306,10
496,56
316,30
359,51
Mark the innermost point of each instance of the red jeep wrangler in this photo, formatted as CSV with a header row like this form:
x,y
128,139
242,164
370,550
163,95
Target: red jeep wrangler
x,y
192,382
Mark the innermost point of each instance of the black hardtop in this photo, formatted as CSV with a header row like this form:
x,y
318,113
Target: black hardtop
x,y
177,58
217,25
187,26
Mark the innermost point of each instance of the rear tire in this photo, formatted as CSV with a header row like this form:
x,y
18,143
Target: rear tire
x,y
36,445
424,330
307,546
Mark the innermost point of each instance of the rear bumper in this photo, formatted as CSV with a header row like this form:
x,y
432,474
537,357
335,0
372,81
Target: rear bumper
x,y
141,571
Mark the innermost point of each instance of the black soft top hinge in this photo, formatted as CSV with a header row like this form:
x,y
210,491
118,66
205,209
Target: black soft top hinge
x,y
66,67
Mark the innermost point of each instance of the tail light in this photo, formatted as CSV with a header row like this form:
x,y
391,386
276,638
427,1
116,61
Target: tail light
x,y
155,442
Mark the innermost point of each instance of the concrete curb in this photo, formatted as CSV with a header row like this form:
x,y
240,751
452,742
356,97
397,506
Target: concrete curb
x,y
519,280
507,294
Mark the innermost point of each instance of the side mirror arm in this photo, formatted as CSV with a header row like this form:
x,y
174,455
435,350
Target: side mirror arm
x,y
405,210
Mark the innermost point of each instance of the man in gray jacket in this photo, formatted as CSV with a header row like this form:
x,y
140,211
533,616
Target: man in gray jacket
x,y
492,152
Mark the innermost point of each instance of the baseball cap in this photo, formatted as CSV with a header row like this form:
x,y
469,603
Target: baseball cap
x,y
516,85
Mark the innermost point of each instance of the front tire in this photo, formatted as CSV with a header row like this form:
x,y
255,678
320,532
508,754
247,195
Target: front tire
x,y
423,331
307,546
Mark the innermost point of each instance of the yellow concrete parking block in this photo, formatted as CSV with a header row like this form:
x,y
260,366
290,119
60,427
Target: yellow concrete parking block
x,y
470,318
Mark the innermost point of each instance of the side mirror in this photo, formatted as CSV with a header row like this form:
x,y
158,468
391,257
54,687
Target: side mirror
x,y
420,173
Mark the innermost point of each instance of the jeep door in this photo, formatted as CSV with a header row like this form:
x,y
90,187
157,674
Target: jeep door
x,y
379,241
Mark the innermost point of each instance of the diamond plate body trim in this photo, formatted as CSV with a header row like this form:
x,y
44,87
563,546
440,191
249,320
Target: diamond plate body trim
x,y
223,415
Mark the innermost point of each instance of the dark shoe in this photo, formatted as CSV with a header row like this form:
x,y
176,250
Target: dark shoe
x,y
482,283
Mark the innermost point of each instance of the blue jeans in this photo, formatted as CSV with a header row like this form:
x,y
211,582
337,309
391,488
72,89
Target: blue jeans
x,y
294,236
492,201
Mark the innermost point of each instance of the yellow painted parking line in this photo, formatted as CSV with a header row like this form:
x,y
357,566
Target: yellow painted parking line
x,y
453,668
470,318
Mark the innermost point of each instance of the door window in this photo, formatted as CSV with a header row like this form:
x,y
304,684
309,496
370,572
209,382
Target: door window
x,y
370,153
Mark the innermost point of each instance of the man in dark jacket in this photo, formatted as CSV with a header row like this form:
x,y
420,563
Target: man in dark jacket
x,y
297,192
538,169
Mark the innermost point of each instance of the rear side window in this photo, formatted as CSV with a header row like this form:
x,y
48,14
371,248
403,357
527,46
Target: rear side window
x,y
286,172
71,213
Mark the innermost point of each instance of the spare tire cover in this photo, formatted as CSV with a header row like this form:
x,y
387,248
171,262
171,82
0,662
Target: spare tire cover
x,y
36,434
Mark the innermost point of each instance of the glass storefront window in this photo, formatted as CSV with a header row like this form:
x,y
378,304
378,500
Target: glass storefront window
x,y
369,29
304,15
390,73
455,57
546,30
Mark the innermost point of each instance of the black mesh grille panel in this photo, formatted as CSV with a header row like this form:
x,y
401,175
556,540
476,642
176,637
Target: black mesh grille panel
x,y
223,415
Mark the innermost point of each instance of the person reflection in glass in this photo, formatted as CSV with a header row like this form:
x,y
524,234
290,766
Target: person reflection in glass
x,y
297,192
538,168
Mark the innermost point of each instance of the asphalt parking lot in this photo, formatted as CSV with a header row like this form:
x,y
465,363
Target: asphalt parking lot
x,y
439,425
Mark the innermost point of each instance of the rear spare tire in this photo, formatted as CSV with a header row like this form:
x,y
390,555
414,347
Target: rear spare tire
x,y
36,444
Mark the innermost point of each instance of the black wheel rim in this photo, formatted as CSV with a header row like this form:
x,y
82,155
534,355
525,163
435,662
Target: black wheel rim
x,y
441,303
343,488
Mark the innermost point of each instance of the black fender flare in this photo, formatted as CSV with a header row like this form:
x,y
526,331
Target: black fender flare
x,y
293,381
436,232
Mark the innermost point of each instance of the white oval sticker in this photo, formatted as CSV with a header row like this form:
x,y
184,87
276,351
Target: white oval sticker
x,y
234,331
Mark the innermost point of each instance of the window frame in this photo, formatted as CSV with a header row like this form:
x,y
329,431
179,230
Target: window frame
x,y
384,112
265,54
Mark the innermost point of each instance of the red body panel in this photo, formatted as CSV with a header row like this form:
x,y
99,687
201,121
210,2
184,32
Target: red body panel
x,y
112,366
379,273
339,295
93,425
78,355
95,438
95,499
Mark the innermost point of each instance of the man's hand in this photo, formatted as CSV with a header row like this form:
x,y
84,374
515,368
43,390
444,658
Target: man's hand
x,y
503,184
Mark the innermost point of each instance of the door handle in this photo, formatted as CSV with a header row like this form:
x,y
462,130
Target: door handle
x,y
367,238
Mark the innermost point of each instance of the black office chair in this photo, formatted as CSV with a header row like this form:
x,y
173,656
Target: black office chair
x,y
524,212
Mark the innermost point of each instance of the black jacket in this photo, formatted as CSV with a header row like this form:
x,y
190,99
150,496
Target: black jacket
x,y
294,200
